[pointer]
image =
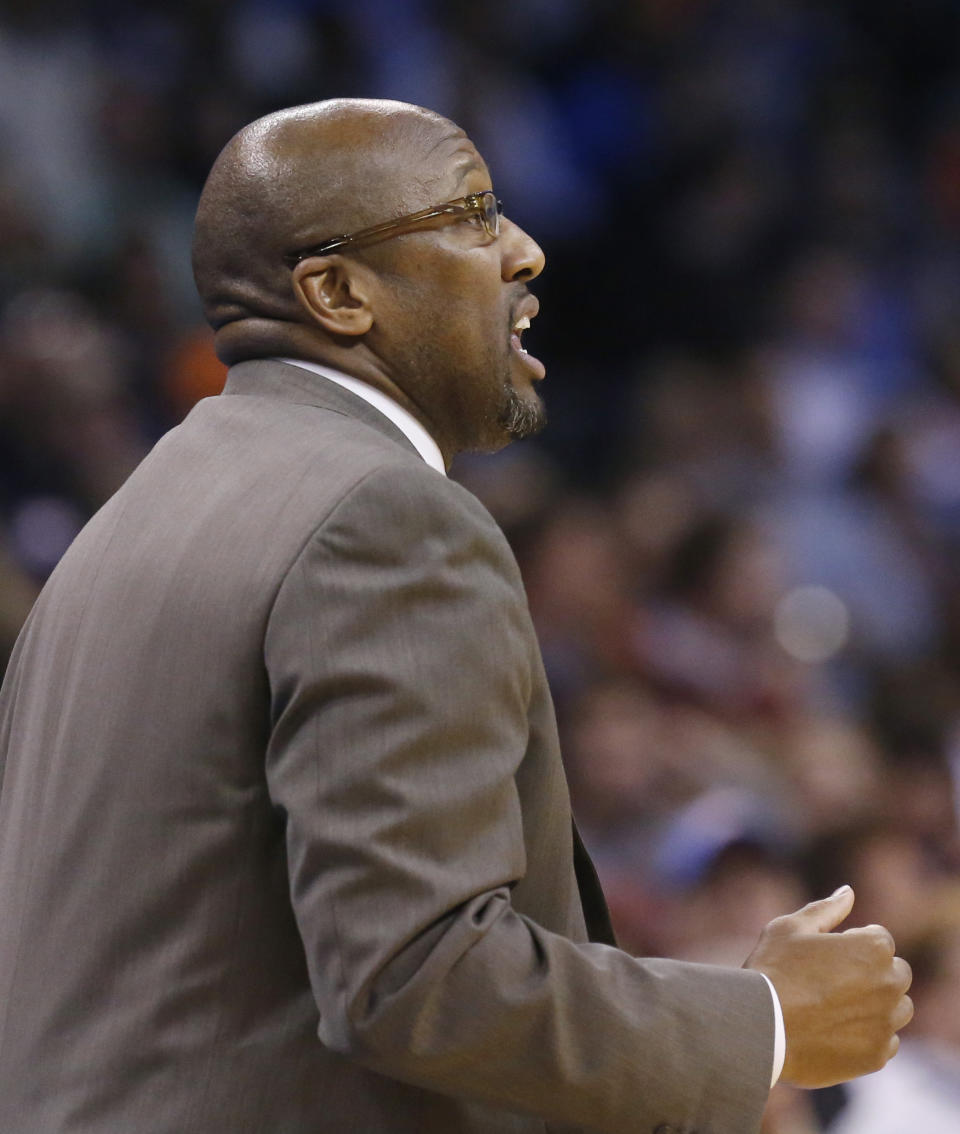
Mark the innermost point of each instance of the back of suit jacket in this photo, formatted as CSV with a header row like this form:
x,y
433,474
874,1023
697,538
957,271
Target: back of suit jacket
x,y
285,840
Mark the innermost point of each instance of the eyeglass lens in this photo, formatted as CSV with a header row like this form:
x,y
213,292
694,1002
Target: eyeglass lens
x,y
491,214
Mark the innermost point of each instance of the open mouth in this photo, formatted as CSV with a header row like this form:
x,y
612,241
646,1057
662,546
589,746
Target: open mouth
x,y
521,324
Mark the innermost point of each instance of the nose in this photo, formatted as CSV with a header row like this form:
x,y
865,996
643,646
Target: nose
x,y
521,257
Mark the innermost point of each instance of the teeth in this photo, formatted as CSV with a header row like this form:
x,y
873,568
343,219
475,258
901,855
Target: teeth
x,y
522,323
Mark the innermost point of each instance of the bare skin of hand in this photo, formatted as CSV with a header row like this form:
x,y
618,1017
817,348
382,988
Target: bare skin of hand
x,y
843,995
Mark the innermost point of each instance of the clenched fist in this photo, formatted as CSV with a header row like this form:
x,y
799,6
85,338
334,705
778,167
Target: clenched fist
x,y
843,995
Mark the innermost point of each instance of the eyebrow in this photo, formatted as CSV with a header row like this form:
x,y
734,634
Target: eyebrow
x,y
465,167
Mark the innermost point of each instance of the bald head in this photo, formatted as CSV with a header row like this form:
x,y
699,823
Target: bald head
x,y
288,181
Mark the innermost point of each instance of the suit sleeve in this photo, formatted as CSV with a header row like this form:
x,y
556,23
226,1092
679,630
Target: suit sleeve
x,y
399,656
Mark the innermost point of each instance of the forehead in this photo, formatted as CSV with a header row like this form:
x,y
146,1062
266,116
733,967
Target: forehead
x,y
451,162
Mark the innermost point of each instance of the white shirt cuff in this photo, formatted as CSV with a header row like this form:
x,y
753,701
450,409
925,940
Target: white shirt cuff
x,y
779,1034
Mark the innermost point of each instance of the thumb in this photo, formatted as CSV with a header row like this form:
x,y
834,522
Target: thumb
x,y
823,915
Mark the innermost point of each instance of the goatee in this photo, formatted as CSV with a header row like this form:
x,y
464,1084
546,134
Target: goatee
x,y
519,417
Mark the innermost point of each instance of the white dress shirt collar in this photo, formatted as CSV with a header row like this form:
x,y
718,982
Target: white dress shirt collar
x,y
415,433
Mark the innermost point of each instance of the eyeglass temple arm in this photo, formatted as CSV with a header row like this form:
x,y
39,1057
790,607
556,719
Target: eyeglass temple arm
x,y
336,242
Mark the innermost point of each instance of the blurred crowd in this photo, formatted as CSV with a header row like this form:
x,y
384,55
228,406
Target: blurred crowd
x,y
739,534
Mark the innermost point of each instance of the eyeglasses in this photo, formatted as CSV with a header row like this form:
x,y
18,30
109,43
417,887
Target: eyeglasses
x,y
484,205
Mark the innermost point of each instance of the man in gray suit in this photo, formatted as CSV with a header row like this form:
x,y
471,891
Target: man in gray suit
x,y
285,842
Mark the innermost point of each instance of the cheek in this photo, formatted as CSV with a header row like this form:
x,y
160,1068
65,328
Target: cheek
x,y
459,306
475,299
474,325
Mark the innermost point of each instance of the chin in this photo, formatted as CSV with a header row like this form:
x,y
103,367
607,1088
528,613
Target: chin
x,y
521,416
511,416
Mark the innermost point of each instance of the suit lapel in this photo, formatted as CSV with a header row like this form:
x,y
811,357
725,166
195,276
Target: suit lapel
x,y
595,912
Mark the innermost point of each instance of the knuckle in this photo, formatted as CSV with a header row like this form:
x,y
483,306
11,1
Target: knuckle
x,y
880,938
905,1013
885,1051
904,974
897,978
777,927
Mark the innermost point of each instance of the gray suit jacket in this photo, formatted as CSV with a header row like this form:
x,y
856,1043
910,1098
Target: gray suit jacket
x,y
285,841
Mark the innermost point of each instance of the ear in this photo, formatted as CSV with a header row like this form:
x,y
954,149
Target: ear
x,y
335,293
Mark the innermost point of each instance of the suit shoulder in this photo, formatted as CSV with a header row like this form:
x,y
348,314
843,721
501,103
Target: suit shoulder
x,y
413,498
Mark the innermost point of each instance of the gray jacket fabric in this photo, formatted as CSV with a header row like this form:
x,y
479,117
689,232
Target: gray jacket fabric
x,y
285,840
